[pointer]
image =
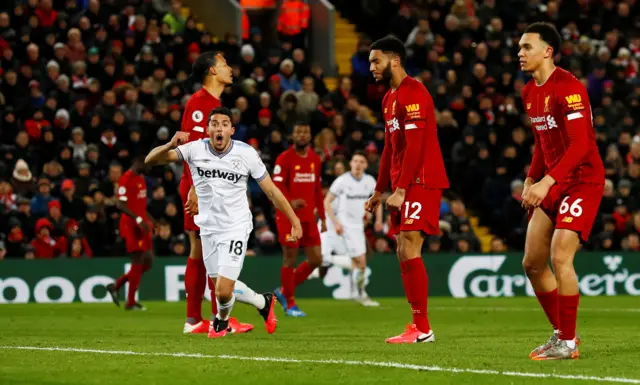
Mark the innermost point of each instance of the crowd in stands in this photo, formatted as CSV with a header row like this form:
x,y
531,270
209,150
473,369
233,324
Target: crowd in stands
x,y
85,86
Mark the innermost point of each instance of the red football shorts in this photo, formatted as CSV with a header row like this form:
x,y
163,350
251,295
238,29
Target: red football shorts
x,y
573,206
310,233
419,212
136,240
189,224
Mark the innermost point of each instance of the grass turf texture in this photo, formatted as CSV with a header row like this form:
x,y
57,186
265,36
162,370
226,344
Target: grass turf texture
x,y
480,334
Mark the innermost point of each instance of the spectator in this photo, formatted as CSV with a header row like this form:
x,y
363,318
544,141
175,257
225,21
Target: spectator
x,y
288,79
40,201
45,247
71,205
162,240
307,99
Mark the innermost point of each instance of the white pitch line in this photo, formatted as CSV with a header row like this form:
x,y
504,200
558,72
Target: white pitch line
x,y
396,365
526,309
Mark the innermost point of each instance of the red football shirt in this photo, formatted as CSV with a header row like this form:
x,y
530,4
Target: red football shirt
x,y
194,121
562,123
132,190
411,154
300,177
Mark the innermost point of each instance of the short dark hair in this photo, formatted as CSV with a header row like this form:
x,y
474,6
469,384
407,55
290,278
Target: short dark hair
x,y
391,45
359,153
202,64
301,122
548,33
221,111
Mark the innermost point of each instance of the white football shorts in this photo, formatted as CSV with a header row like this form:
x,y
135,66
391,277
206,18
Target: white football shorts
x,y
223,254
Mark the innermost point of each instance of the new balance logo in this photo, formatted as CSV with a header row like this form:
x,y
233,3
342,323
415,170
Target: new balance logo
x,y
393,125
551,121
230,176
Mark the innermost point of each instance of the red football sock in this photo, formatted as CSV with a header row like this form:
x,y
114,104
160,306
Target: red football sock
x,y
287,279
302,273
416,287
568,314
194,284
549,302
124,278
214,303
135,274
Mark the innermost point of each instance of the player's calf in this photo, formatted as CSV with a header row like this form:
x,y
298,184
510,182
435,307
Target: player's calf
x,y
414,277
563,248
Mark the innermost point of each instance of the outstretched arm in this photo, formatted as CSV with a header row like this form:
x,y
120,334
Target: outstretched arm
x,y
279,200
327,207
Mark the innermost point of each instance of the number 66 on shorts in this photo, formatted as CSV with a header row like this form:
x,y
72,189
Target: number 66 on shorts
x,y
574,206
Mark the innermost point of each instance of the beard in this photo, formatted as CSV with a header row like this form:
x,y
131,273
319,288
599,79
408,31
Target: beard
x,y
301,145
386,74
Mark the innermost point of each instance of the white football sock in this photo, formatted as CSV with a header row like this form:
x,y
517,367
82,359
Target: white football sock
x,y
245,294
225,309
343,261
354,284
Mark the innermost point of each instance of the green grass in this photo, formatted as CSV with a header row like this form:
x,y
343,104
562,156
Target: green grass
x,y
481,334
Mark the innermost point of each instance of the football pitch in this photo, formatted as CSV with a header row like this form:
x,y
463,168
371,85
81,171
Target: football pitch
x,y
339,342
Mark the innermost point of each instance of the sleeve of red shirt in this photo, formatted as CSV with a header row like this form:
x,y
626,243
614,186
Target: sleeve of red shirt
x,y
123,188
281,175
187,126
577,121
536,170
418,107
319,197
385,165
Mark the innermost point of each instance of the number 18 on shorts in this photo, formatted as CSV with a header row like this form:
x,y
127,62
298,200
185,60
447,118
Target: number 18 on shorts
x,y
224,254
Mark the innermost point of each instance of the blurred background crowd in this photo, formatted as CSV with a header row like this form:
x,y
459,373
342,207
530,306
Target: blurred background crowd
x,y
86,85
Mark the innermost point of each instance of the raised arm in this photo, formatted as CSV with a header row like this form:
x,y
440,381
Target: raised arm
x,y
167,153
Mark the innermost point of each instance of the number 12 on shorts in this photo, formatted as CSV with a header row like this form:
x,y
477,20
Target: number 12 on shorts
x,y
414,207
575,209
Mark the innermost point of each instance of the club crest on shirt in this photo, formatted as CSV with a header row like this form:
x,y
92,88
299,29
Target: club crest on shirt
x,y
197,116
236,164
546,103
528,106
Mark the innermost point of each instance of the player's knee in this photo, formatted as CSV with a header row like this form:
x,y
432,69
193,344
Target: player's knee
x,y
360,262
224,293
409,245
563,248
148,263
532,266
314,258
